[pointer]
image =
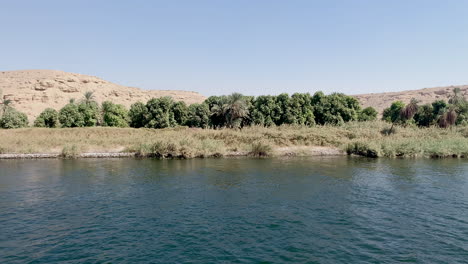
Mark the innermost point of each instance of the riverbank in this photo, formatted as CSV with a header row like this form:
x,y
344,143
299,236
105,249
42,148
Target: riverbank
x,y
364,138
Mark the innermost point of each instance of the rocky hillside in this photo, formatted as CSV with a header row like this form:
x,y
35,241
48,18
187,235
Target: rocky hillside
x,y
380,101
32,91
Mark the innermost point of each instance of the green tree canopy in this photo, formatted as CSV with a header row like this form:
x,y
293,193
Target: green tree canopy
x,y
70,116
48,118
138,115
198,116
367,114
160,113
11,118
114,115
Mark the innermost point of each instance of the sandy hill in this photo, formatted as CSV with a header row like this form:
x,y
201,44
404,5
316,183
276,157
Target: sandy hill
x,y
31,91
380,101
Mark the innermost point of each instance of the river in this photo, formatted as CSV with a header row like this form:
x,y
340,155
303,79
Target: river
x,y
234,210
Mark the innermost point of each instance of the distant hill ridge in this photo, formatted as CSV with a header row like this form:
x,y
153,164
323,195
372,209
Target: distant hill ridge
x,y
380,101
31,91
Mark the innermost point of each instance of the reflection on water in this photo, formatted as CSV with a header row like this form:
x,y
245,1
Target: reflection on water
x,y
326,210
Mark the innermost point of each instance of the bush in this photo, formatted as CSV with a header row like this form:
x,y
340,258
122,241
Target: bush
x,y
70,116
90,113
198,116
70,152
260,149
367,114
138,115
12,118
114,115
160,113
362,149
48,118
392,114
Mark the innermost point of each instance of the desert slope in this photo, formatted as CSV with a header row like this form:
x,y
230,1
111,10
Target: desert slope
x,y
31,91
380,101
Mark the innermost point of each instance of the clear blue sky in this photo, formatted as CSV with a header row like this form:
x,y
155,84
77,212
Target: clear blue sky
x,y
250,46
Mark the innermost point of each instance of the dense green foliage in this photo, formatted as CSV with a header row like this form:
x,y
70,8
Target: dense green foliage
x,y
232,111
438,113
368,114
198,116
138,115
70,116
114,115
12,118
90,113
48,118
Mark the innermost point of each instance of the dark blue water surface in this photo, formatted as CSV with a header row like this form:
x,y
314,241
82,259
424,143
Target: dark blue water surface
x,y
301,210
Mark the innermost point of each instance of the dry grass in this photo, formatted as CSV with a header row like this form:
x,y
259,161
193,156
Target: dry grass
x,y
357,138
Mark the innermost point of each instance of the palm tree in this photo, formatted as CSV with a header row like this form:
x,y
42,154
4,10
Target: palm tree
x,y
235,109
410,110
88,97
456,98
6,103
448,118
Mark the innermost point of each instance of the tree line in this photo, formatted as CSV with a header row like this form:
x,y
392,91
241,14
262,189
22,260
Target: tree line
x,y
438,113
231,111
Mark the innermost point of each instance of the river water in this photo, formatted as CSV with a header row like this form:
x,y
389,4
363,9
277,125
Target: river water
x,y
298,210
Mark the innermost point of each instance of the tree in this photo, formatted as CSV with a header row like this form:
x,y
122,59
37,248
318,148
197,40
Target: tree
x,y
448,118
407,113
235,110
180,111
439,107
138,115
457,98
367,114
70,116
335,109
160,113
48,118
301,107
425,116
114,115
392,114
11,118
216,106
265,110
6,103
198,116
90,113
88,97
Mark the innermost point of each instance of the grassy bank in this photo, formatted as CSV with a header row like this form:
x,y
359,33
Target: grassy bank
x,y
364,138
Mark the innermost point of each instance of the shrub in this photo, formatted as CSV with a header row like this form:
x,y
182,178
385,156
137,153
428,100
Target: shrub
x,y
160,113
180,112
70,116
362,149
114,115
260,149
198,116
48,118
367,114
138,115
70,152
90,113
12,118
